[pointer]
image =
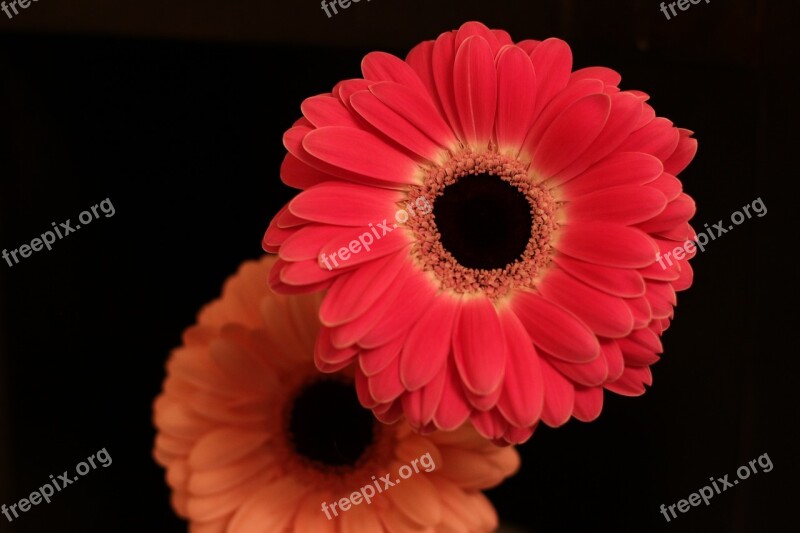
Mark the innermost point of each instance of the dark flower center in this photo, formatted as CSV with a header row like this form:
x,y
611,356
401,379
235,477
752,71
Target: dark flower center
x,y
484,221
328,426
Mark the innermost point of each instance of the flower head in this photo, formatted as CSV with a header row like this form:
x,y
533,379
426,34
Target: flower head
x,y
488,226
255,439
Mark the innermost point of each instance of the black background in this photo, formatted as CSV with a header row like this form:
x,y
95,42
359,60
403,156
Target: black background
x,y
176,114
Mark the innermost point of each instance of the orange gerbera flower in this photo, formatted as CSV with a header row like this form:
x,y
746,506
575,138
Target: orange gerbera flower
x,y
254,439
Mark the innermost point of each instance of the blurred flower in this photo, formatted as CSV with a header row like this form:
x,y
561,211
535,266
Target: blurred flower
x,y
531,283
255,439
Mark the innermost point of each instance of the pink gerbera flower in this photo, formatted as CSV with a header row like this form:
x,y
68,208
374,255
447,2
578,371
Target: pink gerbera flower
x,y
487,224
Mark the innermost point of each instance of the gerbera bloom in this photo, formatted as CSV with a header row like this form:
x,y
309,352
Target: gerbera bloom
x,y
255,439
487,224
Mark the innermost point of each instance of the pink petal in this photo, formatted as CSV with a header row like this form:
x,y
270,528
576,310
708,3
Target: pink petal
x,y
362,390
632,382
606,315
677,212
523,386
624,168
647,338
475,84
570,134
417,109
648,113
472,28
606,75
385,386
329,354
299,175
356,292
275,236
529,45
627,283
559,396
625,111
345,204
588,403
347,88
324,110
390,415
444,54
420,58
624,205
280,287
606,244
687,276
394,126
427,346
483,402
304,273
589,374
516,98
306,242
453,410
665,268
554,329
478,346
612,354
669,185
304,122
676,233
642,313
661,297
417,295
361,153
515,435
287,220
635,354
490,424
383,408
503,37
659,138
377,359
380,66
571,94
664,290
420,406
331,255
293,141
683,154
552,61
352,332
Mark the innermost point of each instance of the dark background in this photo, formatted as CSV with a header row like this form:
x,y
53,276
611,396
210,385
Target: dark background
x,y
175,112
